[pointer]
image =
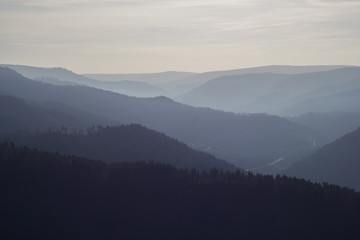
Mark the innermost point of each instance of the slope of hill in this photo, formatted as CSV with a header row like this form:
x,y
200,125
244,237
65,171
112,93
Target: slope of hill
x,y
347,101
179,83
64,77
279,69
55,74
337,163
53,81
245,140
121,144
153,78
270,92
16,114
133,88
51,196
331,125
230,92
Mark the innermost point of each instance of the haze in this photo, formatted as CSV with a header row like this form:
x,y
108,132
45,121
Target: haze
x,y
91,36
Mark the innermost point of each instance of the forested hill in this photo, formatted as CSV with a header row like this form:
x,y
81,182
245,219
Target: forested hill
x,y
17,114
126,143
51,196
337,162
248,141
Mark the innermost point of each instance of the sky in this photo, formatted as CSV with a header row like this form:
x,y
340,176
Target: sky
x,y
137,36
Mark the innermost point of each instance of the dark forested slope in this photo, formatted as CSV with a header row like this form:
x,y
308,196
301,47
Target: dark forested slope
x,y
338,163
17,114
51,196
121,144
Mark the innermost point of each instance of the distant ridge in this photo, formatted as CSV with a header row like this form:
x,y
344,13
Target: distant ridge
x,y
181,82
281,69
275,93
154,78
64,77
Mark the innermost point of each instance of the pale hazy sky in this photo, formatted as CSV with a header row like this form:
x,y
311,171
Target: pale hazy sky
x,y
122,36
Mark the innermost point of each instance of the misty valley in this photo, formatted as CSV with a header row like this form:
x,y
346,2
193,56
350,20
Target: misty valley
x,y
269,152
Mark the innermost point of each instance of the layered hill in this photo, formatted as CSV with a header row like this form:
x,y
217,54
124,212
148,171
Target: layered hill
x,y
186,85
55,76
280,93
17,114
153,78
64,77
245,140
330,125
337,163
132,143
347,101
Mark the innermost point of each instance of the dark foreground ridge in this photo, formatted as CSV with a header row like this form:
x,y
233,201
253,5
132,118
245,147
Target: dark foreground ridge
x,y
125,143
52,196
